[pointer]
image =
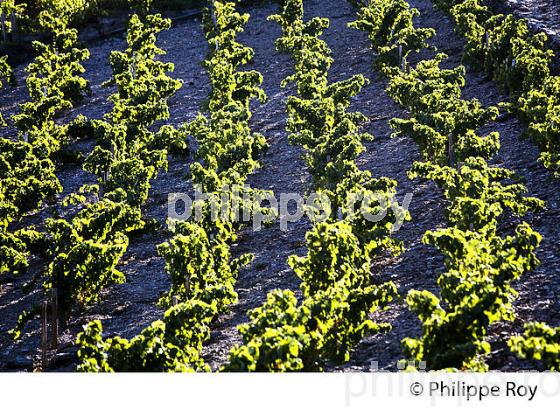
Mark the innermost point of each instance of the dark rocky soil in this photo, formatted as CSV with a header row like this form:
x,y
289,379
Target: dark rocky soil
x,y
126,309
542,15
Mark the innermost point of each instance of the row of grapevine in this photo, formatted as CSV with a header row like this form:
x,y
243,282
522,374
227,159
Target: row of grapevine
x,y
504,46
22,16
339,291
83,250
482,265
27,162
519,60
198,256
539,342
55,85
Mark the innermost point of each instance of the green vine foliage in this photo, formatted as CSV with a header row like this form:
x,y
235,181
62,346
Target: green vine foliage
x,y
13,250
279,337
470,17
519,60
129,153
221,25
476,290
441,122
540,108
227,148
27,172
331,137
6,73
200,269
54,83
477,195
86,250
391,31
13,253
337,285
539,342
336,277
339,294
27,179
26,182
318,119
171,344
198,256
83,251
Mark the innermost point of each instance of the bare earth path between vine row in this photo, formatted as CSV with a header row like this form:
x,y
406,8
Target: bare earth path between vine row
x,y
126,309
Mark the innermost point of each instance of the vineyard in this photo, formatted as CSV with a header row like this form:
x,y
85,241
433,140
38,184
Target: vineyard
x,y
441,116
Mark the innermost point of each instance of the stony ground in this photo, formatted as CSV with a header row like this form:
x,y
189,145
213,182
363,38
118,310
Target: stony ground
x,y
541,14
126,309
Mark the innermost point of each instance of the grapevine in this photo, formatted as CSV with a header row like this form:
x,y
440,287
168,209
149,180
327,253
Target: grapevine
x,y
519,61
476,290
198,257
337,285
